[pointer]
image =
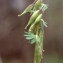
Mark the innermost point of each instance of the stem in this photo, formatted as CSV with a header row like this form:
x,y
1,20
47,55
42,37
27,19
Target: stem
x,y
38,47
42,33
41,38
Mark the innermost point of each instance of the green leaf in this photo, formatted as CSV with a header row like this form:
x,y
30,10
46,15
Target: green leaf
x,y
30,37
28,33
44,7
33,41
45,24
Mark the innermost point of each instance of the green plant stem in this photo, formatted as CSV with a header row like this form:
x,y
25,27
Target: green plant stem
x,y
41,40
38,55
42,34
38,47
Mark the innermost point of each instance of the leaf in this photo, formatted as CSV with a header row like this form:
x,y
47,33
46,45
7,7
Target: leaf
x,y
45,24
33,41
30,37
28,33
44,7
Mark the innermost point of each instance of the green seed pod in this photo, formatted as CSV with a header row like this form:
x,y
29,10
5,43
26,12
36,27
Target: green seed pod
x,y
28,9
37,4
33,17
38,19
32,27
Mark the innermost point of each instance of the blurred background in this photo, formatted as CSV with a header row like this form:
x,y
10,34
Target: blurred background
x,y
14,48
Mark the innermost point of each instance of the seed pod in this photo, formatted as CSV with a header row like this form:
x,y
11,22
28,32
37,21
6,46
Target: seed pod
x,y
33,17
37,4
28,9
38,19
32,27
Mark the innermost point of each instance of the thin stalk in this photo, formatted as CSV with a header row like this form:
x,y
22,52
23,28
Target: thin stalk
x,y
38,51
42,34
38,55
